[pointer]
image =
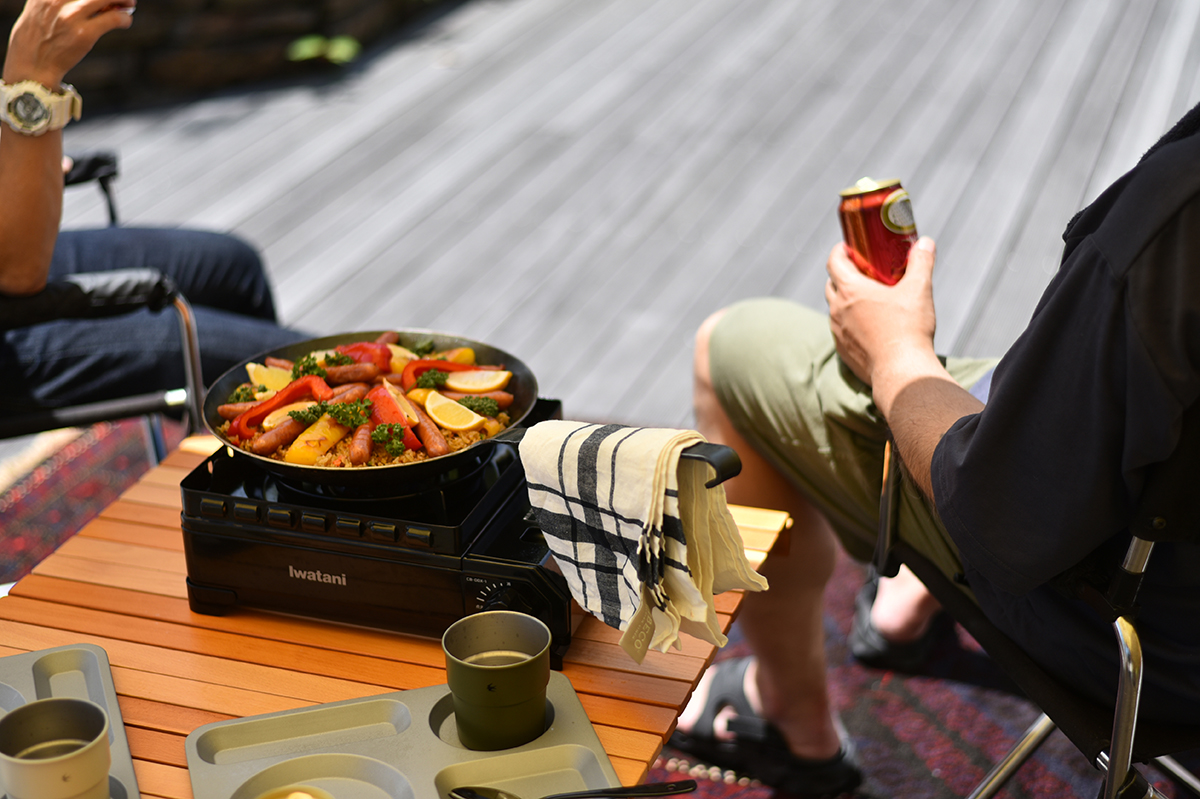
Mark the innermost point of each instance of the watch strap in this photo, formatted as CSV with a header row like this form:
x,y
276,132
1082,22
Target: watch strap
x,y
61,107
68,106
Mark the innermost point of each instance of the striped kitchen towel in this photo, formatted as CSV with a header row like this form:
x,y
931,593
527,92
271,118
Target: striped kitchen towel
x,y
642,543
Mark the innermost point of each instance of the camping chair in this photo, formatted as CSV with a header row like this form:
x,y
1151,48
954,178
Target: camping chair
x,y
101,294
1105,736
100,166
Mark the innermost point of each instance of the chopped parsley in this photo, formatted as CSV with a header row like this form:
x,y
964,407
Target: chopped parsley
x,y
310,414
338,359
433,378
307,366
349,414
245,393
422,348
484,406
392,438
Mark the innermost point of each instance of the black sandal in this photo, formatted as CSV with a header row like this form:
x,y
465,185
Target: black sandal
x,y
758,750
869,646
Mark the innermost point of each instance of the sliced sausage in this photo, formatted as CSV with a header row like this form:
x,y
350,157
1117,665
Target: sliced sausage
x,y
342,389
502,398
233,410
281,363
351,373
281,436
353,394
430,435
360,445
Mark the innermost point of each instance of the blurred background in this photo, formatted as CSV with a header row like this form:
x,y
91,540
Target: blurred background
x,y
581,183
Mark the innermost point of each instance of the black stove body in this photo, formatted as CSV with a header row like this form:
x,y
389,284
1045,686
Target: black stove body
x,y
414,562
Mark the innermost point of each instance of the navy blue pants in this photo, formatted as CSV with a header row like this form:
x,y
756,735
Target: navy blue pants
x,y
72,361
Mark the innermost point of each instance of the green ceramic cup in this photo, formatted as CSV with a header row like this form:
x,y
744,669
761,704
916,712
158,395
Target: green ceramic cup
x,y
55,749
498,666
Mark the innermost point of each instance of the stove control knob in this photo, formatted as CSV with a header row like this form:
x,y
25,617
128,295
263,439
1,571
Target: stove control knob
x,y
507,597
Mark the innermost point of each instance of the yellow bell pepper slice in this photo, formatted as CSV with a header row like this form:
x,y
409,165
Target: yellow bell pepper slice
x,y
319,438
418,395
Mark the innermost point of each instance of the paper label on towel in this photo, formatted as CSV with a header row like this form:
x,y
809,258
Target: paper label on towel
x,y
637,636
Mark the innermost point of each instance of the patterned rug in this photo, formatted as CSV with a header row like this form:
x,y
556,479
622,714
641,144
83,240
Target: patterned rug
x,y
50,503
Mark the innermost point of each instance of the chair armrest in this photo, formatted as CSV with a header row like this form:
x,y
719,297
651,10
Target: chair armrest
x,y
93,165
89,296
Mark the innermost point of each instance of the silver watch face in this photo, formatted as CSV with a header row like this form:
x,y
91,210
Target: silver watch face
x,y
28,110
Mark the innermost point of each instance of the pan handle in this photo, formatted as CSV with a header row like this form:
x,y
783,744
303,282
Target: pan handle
x,y
723,459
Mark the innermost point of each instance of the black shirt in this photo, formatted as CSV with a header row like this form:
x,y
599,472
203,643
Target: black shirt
x,y
1090,395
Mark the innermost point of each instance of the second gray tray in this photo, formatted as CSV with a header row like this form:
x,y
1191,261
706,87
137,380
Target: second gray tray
x,y
80,671
399,745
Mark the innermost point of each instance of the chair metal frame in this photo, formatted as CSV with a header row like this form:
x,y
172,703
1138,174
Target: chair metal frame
x,y
1112,751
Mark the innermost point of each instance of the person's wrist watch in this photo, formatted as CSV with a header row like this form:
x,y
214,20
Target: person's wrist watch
x,y
30,108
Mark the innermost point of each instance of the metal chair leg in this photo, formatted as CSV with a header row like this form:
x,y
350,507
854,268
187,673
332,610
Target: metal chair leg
x,y
1030,741
1129,690
106,188
1180,774
191,365
885,561
157,437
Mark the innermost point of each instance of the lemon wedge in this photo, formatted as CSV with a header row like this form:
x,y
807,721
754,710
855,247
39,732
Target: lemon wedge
x,y
448,414
400,357
272,377
478,381
280,415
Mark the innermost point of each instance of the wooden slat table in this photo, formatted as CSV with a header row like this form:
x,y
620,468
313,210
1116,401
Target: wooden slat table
x,y
119,584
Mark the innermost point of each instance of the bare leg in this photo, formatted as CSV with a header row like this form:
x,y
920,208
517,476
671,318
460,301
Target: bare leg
x,y
903,608
784,624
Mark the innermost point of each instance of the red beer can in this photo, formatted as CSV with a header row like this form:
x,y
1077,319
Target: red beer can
x,y
878,226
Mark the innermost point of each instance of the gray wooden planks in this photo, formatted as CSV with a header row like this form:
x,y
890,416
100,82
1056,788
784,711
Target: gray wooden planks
x,y
582,183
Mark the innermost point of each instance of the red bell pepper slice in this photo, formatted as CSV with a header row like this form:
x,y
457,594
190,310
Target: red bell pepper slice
x,y
414,369
242,428
369,352
385,410
410,439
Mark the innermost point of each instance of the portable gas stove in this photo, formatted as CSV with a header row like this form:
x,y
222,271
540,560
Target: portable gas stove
x,y
415,562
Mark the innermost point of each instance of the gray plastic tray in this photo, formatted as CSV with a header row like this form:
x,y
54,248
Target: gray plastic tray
x,y
81,671
399,745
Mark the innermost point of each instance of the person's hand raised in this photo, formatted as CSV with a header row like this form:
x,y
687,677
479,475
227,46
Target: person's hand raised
x,y
873,323
51,36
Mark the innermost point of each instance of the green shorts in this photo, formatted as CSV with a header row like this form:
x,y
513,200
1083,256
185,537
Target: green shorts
x,y
779,379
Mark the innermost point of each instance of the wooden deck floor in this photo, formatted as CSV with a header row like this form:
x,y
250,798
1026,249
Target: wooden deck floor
x,y
581,183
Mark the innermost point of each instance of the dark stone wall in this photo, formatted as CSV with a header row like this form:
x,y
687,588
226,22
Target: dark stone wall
x,y
183,48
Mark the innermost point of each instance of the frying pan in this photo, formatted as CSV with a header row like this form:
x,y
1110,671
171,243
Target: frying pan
x,y
523,387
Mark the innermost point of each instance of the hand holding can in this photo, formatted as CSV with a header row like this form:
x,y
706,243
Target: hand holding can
x,y
878,227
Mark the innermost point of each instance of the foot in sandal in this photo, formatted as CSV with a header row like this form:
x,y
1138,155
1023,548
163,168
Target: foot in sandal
x,y
728,732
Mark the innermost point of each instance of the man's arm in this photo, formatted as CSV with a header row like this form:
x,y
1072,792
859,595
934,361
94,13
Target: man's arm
x,y
49,38
884,334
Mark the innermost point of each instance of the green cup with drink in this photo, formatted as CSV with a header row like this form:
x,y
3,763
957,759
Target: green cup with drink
x,y
497,667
